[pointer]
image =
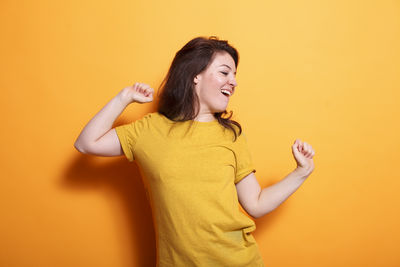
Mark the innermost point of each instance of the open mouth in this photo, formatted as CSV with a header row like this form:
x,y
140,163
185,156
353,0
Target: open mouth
x,y
226,92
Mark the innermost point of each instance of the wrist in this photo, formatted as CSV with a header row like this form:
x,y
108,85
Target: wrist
x,y
302,172
123,98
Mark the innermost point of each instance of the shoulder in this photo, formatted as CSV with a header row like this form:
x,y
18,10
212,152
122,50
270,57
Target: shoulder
x,y
139,124
150,118
153,121
154,116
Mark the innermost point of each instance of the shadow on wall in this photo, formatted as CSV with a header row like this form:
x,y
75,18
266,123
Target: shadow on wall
x,y
116,177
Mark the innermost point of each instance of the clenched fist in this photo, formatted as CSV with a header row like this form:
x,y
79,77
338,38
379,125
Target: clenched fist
x,y
139,93
303,153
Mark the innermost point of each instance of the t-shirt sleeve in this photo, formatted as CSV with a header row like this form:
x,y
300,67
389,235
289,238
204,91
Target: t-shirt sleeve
x,y
129,134
244,163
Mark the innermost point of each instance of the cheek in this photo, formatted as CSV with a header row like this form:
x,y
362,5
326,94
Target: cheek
x,y
210,92
214,80
219,81
212,85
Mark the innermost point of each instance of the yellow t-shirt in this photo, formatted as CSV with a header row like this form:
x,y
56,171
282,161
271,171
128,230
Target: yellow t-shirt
x,y
190,177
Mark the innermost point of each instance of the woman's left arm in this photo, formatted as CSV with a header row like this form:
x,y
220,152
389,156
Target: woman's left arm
x,y
259,202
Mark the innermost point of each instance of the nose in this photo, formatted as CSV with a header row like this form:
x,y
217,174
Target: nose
x,y
233,82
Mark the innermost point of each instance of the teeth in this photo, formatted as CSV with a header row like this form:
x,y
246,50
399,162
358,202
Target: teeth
x,y
226,92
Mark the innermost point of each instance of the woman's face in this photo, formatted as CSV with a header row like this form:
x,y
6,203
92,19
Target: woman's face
x,y
216,84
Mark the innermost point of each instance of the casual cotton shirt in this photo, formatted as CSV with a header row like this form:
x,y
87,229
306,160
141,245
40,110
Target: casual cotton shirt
x,y
190,175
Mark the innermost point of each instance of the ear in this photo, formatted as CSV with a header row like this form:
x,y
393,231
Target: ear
x,y
196,79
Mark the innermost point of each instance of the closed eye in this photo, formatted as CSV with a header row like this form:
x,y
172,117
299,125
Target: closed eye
x,y
224,73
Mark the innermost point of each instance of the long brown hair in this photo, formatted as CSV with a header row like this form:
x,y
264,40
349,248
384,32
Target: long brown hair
x,y
178,100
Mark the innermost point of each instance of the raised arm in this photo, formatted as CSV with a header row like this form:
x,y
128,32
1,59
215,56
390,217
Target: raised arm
x,y
98,137
257,202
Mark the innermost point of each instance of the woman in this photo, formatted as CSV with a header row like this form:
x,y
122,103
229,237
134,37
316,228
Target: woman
x,y
195,160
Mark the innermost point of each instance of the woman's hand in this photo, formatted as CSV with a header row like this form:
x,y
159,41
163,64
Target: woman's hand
x,y
139,93
303,154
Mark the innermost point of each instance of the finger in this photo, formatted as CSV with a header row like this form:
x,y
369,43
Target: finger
x,y
310,150
145,86
148,91
301,146
141,88
145,89
312,153
297,146
296,142
297,154
306,148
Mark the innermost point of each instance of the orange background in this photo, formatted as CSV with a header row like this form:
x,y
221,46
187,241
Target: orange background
x,y
325,72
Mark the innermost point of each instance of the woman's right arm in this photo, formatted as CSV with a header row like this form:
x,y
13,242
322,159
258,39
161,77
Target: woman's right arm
x,y
97,137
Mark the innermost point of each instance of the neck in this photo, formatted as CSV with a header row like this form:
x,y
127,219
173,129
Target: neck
x,y
205,117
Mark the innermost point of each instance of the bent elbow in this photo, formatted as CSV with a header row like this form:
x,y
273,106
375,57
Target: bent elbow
x,y
257,215
78,146
254,214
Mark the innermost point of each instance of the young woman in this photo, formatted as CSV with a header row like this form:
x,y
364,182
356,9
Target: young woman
x,y
195,160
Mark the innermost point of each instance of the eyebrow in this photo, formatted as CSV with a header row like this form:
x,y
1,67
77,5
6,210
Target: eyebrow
x,y
227,66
